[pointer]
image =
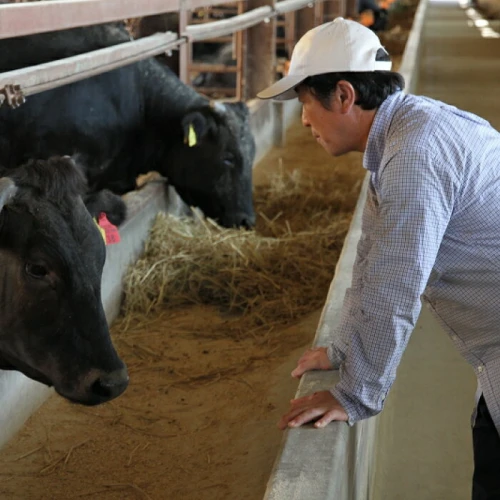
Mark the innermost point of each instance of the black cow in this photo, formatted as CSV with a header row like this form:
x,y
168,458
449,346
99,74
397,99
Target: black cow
x,y
52,323
129,121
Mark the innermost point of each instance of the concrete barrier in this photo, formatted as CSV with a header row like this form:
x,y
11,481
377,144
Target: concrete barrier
x,y
21,396
337,462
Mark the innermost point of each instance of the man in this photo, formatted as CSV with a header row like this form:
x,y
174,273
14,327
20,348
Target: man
x,y
431,229
379,14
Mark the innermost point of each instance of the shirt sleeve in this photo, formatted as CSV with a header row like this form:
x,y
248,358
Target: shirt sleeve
x,y
416,196
337,349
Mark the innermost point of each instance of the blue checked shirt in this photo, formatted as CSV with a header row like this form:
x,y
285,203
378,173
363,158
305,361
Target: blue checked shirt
x,y
431,229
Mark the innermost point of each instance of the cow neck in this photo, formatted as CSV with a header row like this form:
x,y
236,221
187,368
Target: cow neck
x,y
166,97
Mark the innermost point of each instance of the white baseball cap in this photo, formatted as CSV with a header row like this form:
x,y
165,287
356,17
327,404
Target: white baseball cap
x,y
338,46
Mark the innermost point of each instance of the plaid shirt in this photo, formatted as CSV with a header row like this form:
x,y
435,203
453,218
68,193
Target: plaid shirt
x,y
430,230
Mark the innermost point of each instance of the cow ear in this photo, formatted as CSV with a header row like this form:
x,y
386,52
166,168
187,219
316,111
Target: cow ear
x,y
194,127
7,191
105,201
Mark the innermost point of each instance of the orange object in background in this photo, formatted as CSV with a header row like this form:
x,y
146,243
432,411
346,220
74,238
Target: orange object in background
x,y
286,67
385,4
366,18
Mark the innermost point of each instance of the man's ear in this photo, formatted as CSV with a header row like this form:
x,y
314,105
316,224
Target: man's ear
x,y
346,95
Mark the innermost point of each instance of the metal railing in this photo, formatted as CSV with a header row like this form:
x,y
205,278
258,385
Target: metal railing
x,y
20,19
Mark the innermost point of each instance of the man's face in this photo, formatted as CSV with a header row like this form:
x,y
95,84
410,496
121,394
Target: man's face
x,y
328,126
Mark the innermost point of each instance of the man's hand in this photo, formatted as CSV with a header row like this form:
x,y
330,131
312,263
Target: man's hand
x,y
320,405
312,359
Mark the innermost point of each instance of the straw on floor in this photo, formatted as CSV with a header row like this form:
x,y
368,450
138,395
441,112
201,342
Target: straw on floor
x,y
273,274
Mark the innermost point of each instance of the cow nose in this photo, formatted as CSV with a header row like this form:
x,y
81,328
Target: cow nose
x,y
110,385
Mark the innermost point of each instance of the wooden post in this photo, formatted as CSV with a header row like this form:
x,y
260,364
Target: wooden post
x,y
261,56
334,8
290,32
341,8
318,13
240,46
351,8
305,21
329,10
185,48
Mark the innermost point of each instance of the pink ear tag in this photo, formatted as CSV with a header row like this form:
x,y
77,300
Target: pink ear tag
x,y
111,234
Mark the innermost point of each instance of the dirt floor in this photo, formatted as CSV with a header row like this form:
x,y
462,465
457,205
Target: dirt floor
x,y
199,418
197,422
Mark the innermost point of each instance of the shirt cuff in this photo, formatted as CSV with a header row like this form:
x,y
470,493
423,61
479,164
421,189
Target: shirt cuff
x,y
335,356
355,410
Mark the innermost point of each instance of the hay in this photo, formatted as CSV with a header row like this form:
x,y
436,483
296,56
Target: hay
x,y
275,274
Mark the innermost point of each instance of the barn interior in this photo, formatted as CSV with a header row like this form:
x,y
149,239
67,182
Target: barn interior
x,y
211,320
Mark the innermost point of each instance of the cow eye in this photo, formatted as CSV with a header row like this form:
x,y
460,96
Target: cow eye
x,y
37,271
228,161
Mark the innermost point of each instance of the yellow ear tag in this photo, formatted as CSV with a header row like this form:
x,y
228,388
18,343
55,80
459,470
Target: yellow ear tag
x,y
191,137
101,230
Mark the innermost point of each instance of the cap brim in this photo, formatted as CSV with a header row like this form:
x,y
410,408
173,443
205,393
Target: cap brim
x,y
283,89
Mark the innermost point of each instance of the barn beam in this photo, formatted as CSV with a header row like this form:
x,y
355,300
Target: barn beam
x,y
261,51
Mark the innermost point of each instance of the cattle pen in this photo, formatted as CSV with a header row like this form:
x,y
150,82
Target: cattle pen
x,y
376,459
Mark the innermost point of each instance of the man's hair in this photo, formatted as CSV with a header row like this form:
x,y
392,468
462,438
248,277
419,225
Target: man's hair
x,y
372,87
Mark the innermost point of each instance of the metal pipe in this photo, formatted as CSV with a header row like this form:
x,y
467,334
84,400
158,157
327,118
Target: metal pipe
x,y
57,73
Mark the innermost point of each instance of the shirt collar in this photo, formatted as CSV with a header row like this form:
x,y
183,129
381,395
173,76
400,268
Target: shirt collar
x,y
378,132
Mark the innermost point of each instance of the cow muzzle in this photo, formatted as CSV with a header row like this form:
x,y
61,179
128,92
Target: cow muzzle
x,y
242,220
109,385
98,387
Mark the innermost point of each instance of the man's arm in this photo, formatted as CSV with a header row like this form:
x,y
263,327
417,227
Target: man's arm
x,y
339,345
416,199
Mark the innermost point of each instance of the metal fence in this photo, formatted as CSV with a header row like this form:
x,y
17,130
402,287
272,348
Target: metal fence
x,y
20,19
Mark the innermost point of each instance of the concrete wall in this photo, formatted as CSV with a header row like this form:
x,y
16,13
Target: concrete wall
x,y
269,121
337,462
334,462
20,396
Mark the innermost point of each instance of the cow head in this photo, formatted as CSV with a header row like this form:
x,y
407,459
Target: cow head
x,y
212,167
52,323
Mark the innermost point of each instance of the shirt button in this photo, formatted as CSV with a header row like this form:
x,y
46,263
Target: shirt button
x,y
480,369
